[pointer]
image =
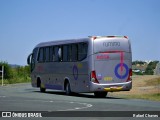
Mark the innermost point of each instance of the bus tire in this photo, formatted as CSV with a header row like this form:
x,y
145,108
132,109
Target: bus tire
x,y
42,89
100,94
68,89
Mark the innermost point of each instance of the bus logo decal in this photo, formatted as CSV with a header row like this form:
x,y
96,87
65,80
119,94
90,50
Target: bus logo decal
x,y
102,57
116,71
111,44
75,72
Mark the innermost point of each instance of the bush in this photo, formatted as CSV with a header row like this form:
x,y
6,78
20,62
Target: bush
x,y
150,68
7,70
19,74
137,73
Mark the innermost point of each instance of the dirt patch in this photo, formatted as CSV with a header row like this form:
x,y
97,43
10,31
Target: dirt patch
x,y
142,86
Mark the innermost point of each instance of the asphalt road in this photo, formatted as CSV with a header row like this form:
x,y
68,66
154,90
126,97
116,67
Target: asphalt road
x,y
22,97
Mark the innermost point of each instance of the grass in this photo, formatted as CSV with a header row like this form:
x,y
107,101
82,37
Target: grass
x,y
143,87
153,82
154,97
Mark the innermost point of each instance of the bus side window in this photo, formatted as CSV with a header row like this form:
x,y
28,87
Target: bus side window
x,y
34,58
82,51
65,53
55,55
60,54
69,53
74,52
35,51
41,55
47,54
51,53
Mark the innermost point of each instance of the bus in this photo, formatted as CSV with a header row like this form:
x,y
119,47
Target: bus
x,y
96,64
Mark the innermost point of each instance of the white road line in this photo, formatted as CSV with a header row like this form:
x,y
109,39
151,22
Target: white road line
x,y
79,105
85,106
2,96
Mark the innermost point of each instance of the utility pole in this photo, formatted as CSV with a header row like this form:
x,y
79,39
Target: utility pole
x,y
2,71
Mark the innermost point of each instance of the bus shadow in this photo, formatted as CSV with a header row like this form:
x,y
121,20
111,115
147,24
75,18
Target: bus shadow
x,y
82,95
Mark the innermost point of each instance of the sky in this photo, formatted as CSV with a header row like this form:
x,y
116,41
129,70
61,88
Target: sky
x,y
25,23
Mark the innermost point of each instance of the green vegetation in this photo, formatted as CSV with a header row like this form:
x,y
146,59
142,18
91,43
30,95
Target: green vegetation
x,y
150,68
19,74
137,73
138,62
144,67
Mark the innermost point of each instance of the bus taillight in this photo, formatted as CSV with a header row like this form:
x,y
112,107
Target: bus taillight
x,y
93,77
130,75
126,37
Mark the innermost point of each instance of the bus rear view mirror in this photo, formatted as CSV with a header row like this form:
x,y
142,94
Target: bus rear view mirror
x,y
29,59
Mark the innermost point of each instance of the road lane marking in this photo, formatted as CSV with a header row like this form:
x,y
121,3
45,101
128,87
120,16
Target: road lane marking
x,y
74,106
2,96
85,106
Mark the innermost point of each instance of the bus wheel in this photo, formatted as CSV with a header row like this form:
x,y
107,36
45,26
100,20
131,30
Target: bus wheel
x,y
42,89
68,89
100,94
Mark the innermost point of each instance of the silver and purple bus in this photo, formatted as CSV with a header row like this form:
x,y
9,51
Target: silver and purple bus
x,y
97,64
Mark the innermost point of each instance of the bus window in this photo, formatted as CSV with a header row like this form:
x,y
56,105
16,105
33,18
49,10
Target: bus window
x,y
82,51
35,51
60,53
56,56
74,52
47,54
51,54
41,55
33,58
65,53
69,53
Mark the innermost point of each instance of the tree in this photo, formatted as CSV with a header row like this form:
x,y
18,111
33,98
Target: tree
x,y
27,70
150,68
138,62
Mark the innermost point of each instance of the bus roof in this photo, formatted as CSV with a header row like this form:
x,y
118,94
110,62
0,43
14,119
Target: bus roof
x,y
66,41
60,42
113,36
